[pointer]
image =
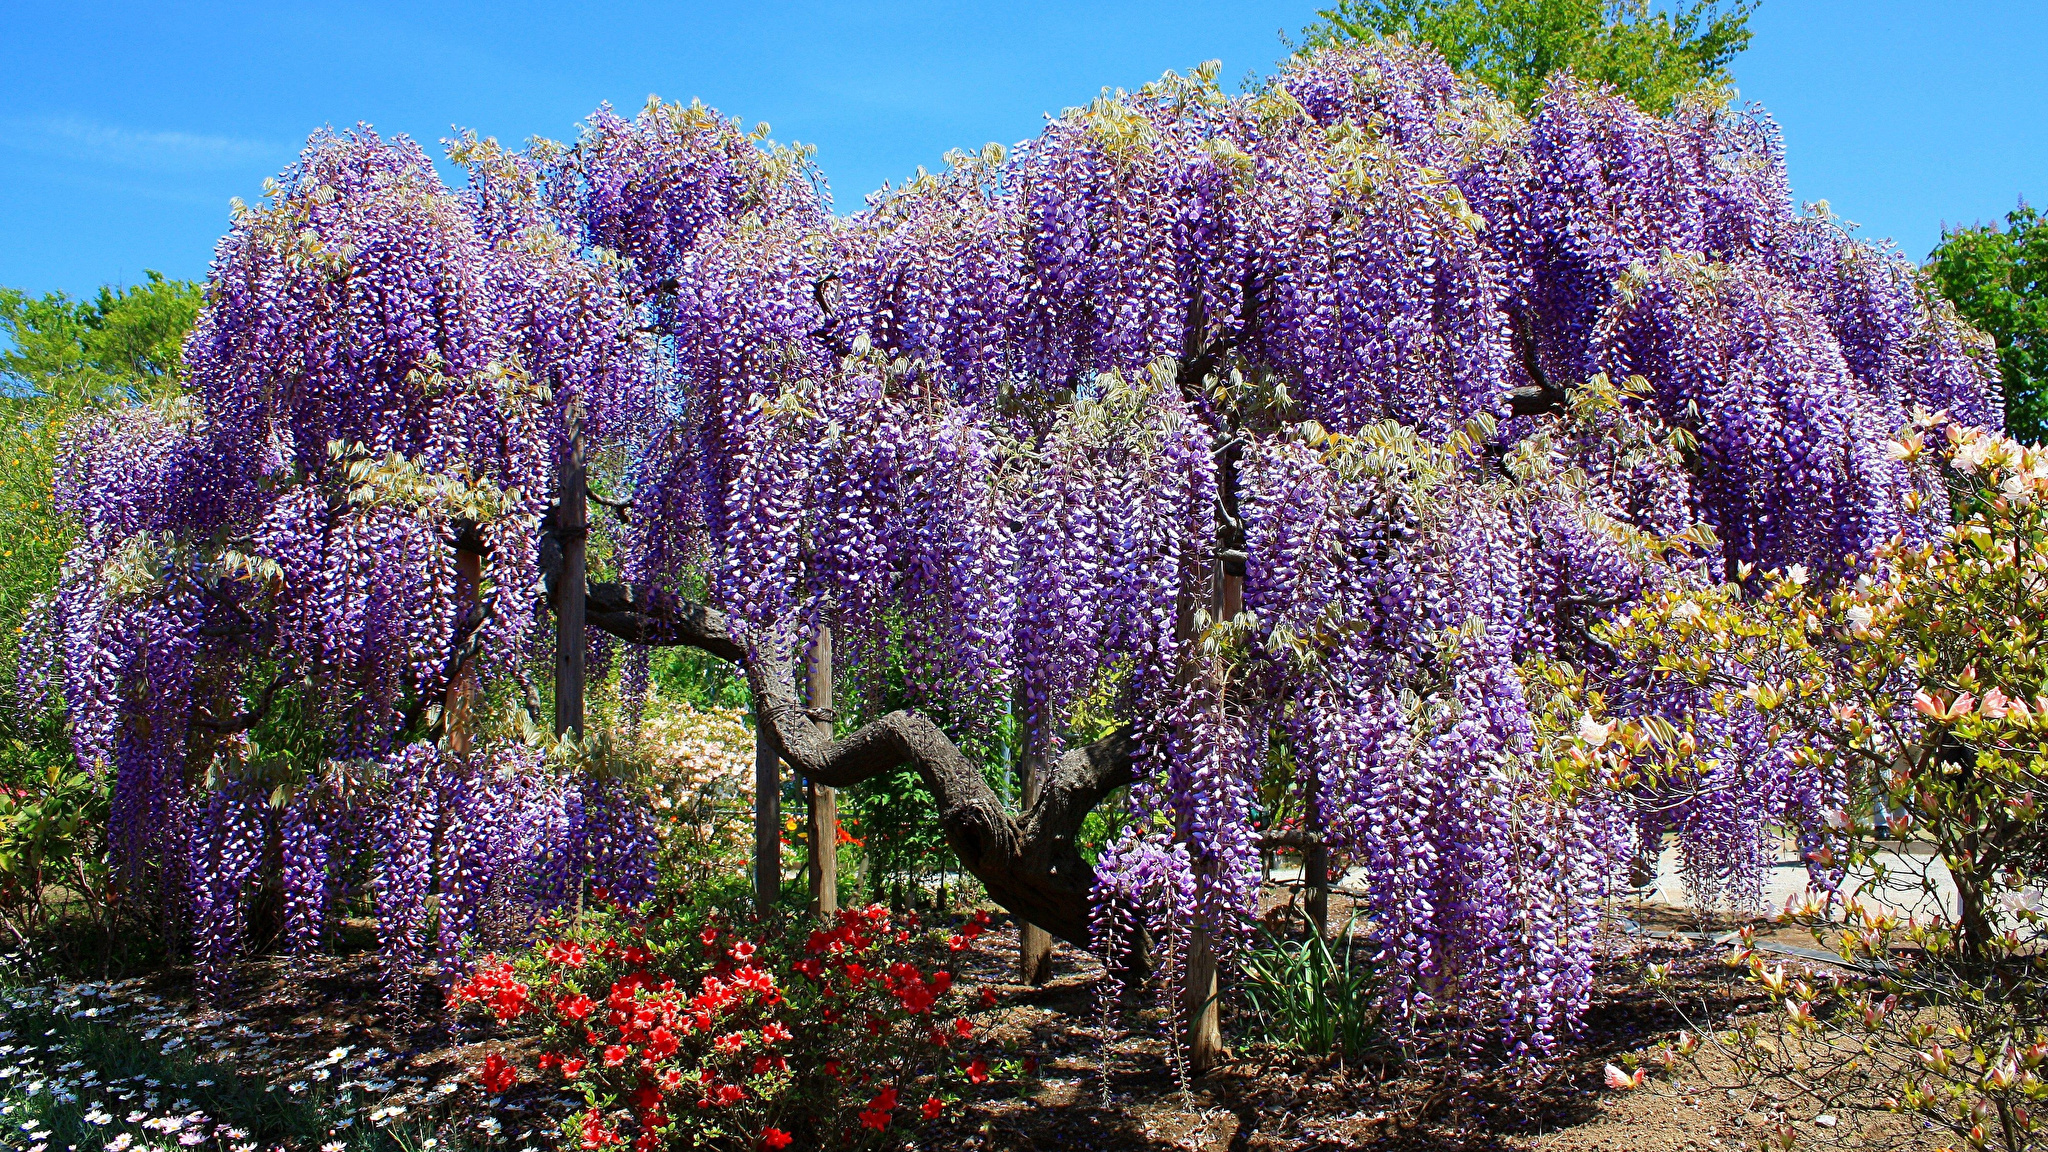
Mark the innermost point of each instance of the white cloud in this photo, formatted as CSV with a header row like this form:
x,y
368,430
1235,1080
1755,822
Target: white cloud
x,y
76,138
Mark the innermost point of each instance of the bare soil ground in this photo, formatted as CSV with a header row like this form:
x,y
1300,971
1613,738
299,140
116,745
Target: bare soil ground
x,y
1272,1100
1107,1091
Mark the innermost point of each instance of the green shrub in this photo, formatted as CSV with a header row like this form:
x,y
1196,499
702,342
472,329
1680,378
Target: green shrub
x,y
1311,997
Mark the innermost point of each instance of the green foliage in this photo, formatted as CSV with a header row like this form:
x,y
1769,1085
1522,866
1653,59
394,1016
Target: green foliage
x,y
60,358
1311,997
122,345
1103,824
894,818
52,841
698,679
1653,55
1998,280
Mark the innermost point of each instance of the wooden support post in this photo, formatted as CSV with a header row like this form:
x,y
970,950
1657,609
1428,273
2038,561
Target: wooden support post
x,y
1315,860
1200,999
572,527
767,820
1315,873
1205,1029
1034,944
458,705
824,801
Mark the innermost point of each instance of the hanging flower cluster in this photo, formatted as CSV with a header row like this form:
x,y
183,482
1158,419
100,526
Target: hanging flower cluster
x,y
1445,385
267,611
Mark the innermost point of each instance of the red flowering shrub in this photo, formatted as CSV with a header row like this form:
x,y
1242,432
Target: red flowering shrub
x,y
706,1037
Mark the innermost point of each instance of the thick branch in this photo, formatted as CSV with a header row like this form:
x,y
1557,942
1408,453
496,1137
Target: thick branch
x,y
659,623
1542,396
1028,863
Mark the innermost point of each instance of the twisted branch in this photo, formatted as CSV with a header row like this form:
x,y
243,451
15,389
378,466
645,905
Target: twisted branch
x,y
1027,861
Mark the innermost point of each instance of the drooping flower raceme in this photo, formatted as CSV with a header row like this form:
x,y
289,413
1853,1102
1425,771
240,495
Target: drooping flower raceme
x,y
1435,387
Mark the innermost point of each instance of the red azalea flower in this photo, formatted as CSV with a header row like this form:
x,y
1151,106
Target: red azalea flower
x,y
595,1134
571,1067
671,1080
963,1028
988,997
616,1055
774,1032
876,1114
729,1094
743,951
775,1138
710,936
978,1071
497,1075
567,953
932,1107
575,1007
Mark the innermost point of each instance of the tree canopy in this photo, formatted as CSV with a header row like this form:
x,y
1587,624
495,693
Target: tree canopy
x,y
1653,55
1304,433
124,343
1998,279
60,357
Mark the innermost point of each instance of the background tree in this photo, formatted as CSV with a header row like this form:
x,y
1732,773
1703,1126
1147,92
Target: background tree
x,y
60,359
1998,279
1654,55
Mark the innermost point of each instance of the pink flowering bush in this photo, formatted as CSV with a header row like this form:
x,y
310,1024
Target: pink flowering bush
x,y
683,1032
1915,691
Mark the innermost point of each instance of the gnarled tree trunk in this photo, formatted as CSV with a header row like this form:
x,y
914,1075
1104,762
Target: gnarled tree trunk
x,y
1027,862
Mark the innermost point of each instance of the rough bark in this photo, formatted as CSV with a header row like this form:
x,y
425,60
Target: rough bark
x,y
1027,862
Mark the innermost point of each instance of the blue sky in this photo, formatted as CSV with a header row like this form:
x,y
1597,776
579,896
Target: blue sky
x,y
125,128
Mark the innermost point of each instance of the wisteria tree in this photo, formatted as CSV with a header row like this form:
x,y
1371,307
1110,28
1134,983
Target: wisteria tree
x,y
1297,426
